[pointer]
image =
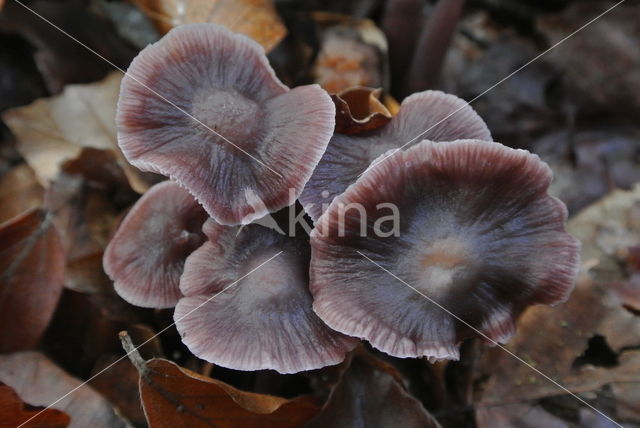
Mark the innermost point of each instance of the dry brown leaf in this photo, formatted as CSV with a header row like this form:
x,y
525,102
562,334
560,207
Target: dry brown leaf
x,y
173,396
19,192
119,384
32,270
257,19
15,412
39,382
53,130
562,340
370,395
359,109
352,53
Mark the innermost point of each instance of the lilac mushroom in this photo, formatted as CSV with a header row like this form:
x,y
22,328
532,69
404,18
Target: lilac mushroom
x,y
204,107
478,234
247,304
430,115
146,255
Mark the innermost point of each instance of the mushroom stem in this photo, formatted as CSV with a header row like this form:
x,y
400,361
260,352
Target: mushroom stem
x,y
401,24
433,45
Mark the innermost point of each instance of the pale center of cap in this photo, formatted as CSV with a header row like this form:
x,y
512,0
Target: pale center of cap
x,y
229,114
270,282
440,263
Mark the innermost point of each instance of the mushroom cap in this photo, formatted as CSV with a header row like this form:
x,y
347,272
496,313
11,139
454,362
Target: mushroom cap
x,y
248,308
146,255
203,106
478,234
430,115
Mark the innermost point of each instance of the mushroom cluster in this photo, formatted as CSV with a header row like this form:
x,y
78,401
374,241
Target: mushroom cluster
x,y
426,232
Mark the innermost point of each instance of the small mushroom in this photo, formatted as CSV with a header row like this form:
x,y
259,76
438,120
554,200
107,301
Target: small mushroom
x,y
146,255
430,115
204,107
475,231
247,304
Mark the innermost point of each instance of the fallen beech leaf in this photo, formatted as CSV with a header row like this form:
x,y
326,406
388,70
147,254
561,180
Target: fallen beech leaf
x,y
370,395
591,340
352,53
19,192
15,412
257,19
173,396
359,109
119,384
39,382
32,270
53,130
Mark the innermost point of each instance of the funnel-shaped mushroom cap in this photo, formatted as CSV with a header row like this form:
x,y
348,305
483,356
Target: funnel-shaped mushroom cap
x,y
146,255
248,305
429,115
204,107
475,231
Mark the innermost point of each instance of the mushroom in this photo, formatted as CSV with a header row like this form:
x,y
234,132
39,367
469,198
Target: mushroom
x,y
436,234
204,107
247,304
431,115
147,253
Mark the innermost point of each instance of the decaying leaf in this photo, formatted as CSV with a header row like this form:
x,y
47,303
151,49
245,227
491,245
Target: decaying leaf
x,y
370,395
31,273
257,19
587,164
15,412
591,340
60,59
352,53
19,192
53,130
359,109
609,76
173,396
119,384
39,382
519,415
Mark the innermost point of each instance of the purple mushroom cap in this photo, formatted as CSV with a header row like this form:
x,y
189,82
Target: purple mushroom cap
x,y
477,233
203,106
146,255
430,115
247,304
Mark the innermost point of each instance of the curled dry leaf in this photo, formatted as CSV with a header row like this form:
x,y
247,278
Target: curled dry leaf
x,y
19,192
352,53
563,342
50,131
369,395
39,382
359,109
32,270
257,19
174,396
15,412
